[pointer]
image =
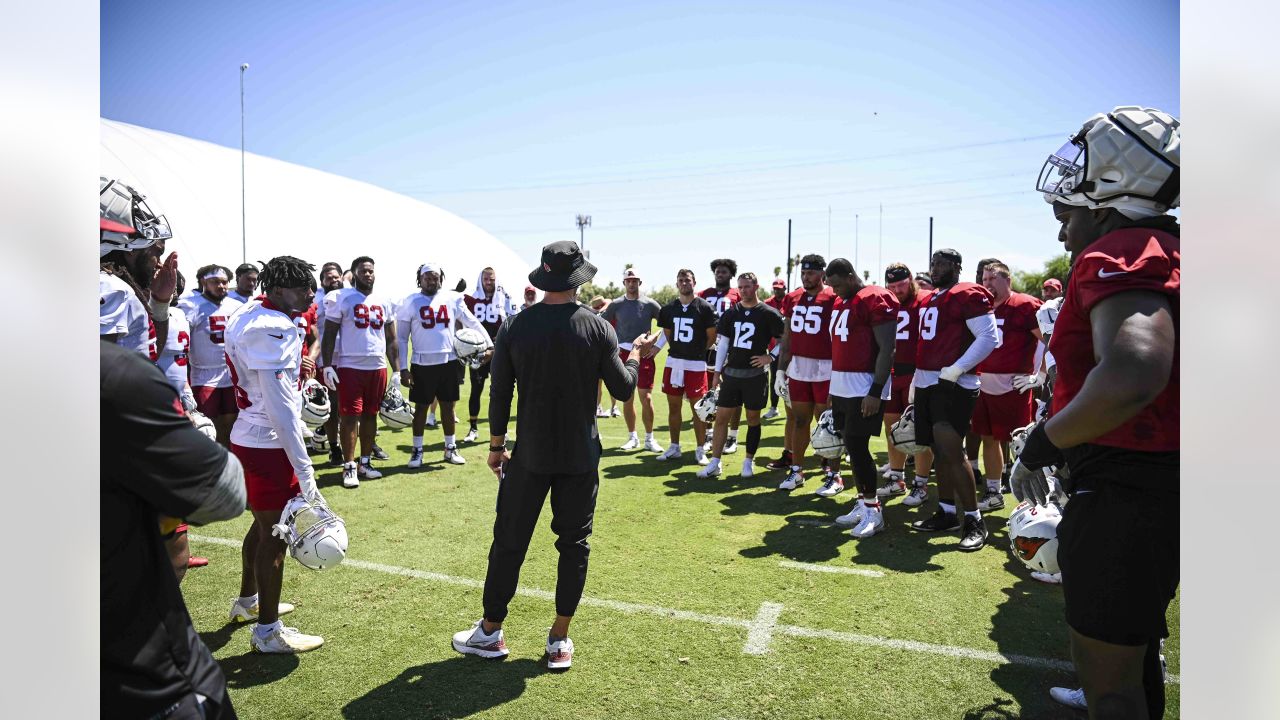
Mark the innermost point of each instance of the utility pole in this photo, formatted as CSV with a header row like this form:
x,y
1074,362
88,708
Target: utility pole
x,y
828,231
244,243
788,252
880,249
583,221
930,239
855,240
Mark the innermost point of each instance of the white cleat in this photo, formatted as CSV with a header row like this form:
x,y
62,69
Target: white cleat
x,y
615,412
872,522
350,477
854,517
700,454
451,455
431,419
632,443
893,486
794,480
711,470
884,470
367,471
652,445
671,453
284,641
244,613
601,412
415,458
919,493
471,436
770,414
1071,698
473,641
748,467
730,445
832,485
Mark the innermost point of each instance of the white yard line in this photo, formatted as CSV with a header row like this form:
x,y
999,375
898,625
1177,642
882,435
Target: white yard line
x,y
811,567
760,628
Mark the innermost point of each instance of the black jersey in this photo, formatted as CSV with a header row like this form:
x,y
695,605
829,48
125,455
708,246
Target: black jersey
x,y
688,325
749,331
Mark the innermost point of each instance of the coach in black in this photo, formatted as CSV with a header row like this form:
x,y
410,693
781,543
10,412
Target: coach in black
x,y
555,351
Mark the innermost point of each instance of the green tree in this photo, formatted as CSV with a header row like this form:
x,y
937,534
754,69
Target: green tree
x,y
1028,282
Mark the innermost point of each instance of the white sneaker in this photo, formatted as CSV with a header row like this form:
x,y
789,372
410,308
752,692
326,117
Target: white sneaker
x,y
832,485
671,453
1071,698
770,414
471,436
872,523
700,454
451,455
632,443
711,470
431,419
794,480
730,445
884,470
559,654
1050,578
350,477
284,641
893,485
601,412
243,613
917,496
415,458
473,641
854,517
652,445
615,412
748,467
367,471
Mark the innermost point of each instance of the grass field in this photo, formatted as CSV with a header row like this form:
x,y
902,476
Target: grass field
x,y
696,605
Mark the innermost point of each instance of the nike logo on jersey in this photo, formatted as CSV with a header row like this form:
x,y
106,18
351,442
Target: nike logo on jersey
x,y
278,337
1104,274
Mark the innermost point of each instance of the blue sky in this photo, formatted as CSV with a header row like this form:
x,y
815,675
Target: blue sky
x,y
687,132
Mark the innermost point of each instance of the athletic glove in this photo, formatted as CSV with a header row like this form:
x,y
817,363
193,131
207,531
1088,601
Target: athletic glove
x,y
1023,383
1028,484
950,373
1038,451
331,378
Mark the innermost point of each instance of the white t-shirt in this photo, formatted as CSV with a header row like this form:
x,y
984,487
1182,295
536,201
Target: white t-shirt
x,y
428,321
121,312
208,323
264,355
361,342
173,359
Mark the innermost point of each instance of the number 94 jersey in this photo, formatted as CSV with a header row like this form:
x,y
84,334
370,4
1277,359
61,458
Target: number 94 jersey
x,y
361,342
688,325
749,331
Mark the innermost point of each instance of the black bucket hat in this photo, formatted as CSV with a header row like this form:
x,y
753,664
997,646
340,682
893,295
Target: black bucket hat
x,y
563,268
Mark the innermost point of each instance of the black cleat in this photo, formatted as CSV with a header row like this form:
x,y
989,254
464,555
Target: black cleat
x,y
782,463
937,522
335,455
974,536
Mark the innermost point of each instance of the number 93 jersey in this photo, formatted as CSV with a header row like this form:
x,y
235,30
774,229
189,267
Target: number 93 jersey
x,y
361,342
809,318
688,325
749,331
944,334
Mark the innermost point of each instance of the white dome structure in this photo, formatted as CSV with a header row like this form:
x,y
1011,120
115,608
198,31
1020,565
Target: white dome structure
x,y
295,210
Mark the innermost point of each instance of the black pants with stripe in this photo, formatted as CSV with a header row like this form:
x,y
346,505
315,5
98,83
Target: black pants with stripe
x,y
521,494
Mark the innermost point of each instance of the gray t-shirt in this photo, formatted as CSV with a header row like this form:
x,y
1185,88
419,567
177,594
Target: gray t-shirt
x,y
632,317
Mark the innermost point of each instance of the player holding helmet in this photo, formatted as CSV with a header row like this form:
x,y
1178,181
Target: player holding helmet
x,y
911,300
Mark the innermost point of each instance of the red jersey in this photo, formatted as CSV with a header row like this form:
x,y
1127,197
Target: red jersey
x,y
776,304
720,301
1120,261
809,317
904,352
944,336
1015,345
306,322
853,343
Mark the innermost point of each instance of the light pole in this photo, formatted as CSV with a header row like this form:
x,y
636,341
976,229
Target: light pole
x,y
583,221
244,247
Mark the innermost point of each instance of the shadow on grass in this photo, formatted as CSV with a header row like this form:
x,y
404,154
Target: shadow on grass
x,y
215,640
253,669
454,688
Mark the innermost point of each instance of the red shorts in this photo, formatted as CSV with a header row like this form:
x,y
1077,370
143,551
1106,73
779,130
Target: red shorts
x,y
268,477
695,384
647,369
360,391
808,392
998,416
215,401
898,395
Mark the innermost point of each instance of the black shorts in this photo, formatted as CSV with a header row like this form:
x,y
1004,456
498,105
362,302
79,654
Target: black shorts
x,y
945,402
1118,551
480,374
751,392
847,412
434,382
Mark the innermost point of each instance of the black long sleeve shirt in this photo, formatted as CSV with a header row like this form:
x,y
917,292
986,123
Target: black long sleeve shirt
x,y
555,355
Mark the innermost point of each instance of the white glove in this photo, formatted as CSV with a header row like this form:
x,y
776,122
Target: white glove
x,y
1029,484
780,387
331,378
950,373
1023,383
307,486
911,394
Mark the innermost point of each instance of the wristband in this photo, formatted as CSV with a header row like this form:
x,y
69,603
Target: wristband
x,y
877,389
158,309
497,448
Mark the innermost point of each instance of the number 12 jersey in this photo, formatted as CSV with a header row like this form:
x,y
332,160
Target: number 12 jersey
x,y
749,331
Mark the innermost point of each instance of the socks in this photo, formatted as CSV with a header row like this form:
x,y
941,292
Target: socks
x,y
921,481
648,436
973,514
449,441
264,630
364,459
733,434
871,502
753,439
417,442
947,507
993,485
249,601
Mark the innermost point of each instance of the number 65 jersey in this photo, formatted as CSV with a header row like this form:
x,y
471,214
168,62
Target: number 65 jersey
x,y
809,318
361,342
748,331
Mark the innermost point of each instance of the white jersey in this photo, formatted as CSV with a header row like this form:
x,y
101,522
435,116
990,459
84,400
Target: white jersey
x,y
257,339
173,359
120,312
361,342
234,295
1046,316
428,321
208,321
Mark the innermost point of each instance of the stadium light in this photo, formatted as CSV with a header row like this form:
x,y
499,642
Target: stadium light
x,y
583,221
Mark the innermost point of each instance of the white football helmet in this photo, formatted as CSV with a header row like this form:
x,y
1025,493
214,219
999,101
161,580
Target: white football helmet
x,y
1033,536
903,433
315,404
203,424
1129,159
1047,315
315,536
827,441
706,406
125,220
396,412
470,345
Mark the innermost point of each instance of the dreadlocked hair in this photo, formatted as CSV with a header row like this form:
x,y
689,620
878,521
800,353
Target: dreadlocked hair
x,y
113,264
287,271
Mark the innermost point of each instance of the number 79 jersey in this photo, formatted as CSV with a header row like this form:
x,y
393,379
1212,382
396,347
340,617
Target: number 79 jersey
x,y
749,331
944,332
361,342
688,325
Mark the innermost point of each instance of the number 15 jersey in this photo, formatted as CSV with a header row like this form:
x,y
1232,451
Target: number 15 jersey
x,y
688,325
361,342
749,331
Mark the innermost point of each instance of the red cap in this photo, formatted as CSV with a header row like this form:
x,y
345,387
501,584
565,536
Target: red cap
x,y
780,283
1052,283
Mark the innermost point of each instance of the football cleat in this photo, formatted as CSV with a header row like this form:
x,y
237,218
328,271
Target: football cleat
x,y
350,475
632,443
284,641
782,463
451,455
1073,699
652,445
937,522
474,641
730,445
559,654
974,535
431,420
748,467
831,486
379,454
872,523
472,435
854,517
991,500
367,471
917,496
415,458
671,453
893,486
794,480
244,613
770,414
335,455
615,412
701,455
601,412
711,470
